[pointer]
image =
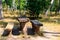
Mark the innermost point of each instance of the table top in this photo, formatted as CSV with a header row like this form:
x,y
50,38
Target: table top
x,y
23,19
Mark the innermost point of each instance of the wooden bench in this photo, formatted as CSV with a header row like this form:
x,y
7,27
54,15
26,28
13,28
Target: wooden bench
x,y
10,26
36,25
8,29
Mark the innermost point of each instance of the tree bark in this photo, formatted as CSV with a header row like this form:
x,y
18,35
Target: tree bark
x,y
1,9
52,1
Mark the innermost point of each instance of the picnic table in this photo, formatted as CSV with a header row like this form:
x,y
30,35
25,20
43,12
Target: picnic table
x,y
35,24
22,22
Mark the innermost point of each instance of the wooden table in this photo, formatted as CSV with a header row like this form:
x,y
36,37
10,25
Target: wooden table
x,y
22,22
35,24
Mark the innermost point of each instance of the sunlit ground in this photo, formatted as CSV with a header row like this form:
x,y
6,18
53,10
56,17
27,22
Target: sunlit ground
x,y
47,26
54,27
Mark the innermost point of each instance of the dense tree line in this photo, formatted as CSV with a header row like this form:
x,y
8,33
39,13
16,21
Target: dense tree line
x,y
38,6
35,6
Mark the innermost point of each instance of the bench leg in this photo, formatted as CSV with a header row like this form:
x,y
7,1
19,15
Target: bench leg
x,y
6,32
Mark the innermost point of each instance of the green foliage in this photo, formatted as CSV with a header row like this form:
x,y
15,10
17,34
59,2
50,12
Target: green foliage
x,y
22,4
9,2
55,5
3,3
36,6
3,0
33,5
17,4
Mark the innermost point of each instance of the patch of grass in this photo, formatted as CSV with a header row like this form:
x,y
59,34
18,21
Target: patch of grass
x,y
3,23
44,19
52,20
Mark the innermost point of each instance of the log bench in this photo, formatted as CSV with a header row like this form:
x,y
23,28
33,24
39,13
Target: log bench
x,y
36,25
8,29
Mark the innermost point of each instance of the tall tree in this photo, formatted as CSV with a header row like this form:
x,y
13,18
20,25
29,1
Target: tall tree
x,y
13,4
51,4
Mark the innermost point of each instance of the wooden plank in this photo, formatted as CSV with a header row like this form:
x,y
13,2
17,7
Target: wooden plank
x,y
8,29
36,23
23,19
10,25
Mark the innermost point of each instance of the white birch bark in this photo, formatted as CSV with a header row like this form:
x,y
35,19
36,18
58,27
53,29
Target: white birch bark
x,y
52,1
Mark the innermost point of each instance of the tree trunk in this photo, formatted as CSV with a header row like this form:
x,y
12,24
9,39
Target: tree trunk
x,y
1,9
52,1
13,4
57,9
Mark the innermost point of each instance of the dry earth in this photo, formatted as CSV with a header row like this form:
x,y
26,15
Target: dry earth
x,y
50,27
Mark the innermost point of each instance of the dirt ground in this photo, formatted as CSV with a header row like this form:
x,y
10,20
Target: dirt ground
x,y
50,27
